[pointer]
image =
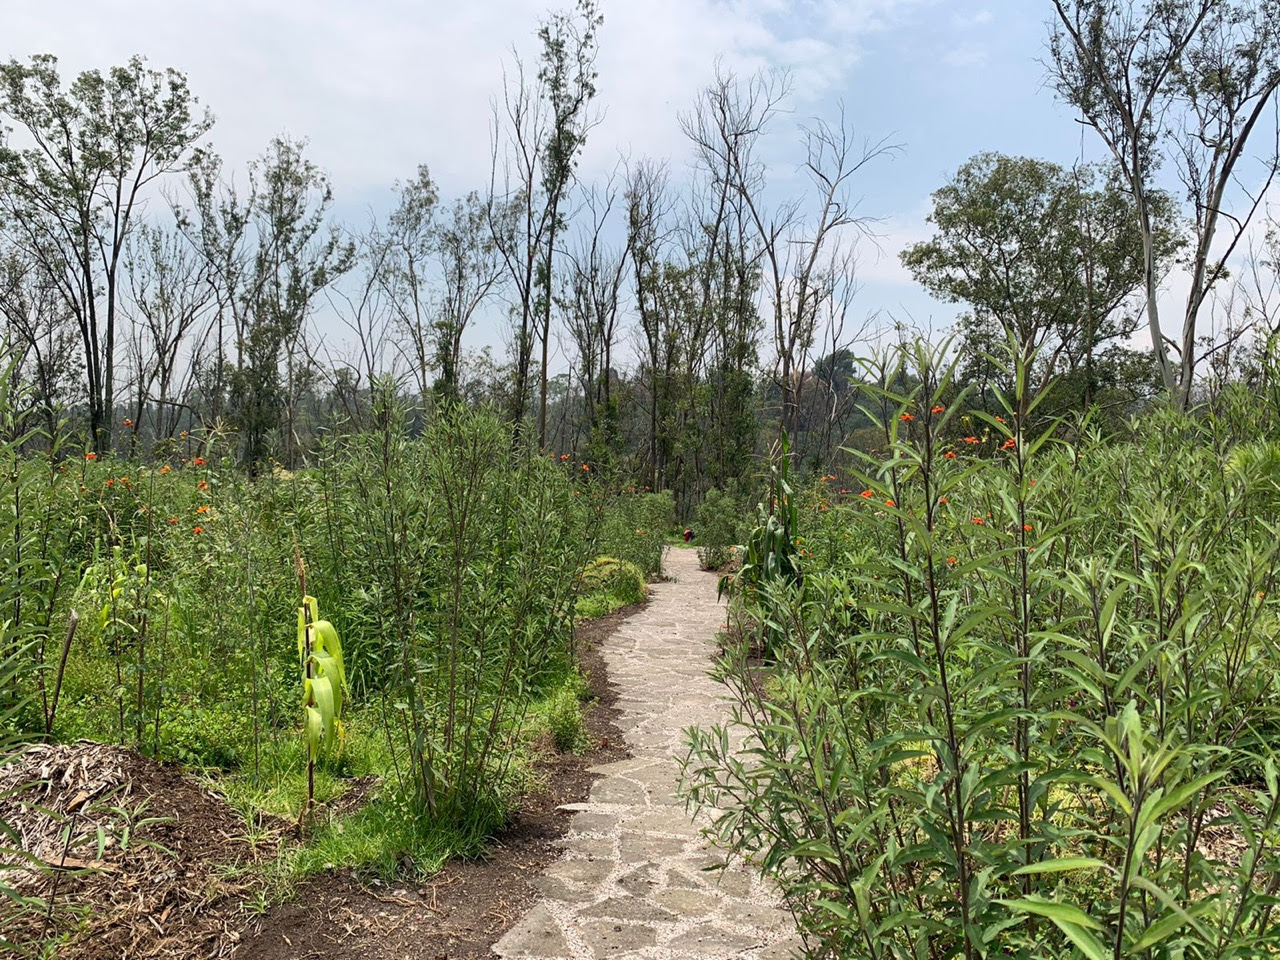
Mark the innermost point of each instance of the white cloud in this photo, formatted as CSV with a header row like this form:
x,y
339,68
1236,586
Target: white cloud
x,y
380,87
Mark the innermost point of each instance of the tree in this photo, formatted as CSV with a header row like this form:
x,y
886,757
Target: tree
x,y
270,255
547,121
1044,256
403,256
470,268
1185,82
170,296
590,299
41,334
73,193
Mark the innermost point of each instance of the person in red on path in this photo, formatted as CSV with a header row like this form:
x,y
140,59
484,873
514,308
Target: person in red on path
x,y
688,535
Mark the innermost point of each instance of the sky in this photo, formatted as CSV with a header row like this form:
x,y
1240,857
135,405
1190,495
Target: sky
x,y
381,86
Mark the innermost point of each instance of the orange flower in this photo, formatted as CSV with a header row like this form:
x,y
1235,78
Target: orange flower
x,y
585,468
202,485
564,456
939,409
126,481
197,530
950,455
198,461
128,422
173,521
1009,444
890,503
205,508
867,494
979,521
943,500
970,439
999,419
951,561
1027,527
111,483
91,456
1032,482
906,418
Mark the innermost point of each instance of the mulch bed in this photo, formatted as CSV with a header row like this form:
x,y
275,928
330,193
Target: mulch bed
x,y
464,909
141,857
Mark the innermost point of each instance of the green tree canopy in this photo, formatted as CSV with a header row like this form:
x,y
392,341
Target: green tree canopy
x,y
1047,256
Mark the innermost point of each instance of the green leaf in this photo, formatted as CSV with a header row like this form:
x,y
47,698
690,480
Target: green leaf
x,y
1054,910
1061,865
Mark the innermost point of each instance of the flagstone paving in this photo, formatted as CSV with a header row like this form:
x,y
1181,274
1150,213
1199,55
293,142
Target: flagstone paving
x,y
631,884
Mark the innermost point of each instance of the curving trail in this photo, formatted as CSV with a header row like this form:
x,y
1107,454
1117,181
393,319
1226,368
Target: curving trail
x,y
631,882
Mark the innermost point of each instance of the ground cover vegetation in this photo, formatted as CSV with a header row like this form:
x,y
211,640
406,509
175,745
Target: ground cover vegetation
x,y
1002,605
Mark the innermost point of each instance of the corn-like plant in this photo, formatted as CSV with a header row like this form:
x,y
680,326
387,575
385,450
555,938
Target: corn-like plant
x,y
324,686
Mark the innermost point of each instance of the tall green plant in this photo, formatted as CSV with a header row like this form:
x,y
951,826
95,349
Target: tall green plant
x,y
1020,711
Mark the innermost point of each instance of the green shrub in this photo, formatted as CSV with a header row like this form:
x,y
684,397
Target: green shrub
x,y
564,716
718,526
1008,718
634,527
620,579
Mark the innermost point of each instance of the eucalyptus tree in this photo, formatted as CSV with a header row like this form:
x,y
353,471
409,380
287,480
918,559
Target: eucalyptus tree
x,y
470,269
270,255
72,188
1184,84
41,339
400,258
720,241
590,300
648,207
538,135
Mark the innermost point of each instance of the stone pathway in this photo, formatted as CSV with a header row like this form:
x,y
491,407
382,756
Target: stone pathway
x,y
631,884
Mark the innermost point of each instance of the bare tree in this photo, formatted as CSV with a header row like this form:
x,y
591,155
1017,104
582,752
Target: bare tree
x,y
809,267
547,120
590,299
1181,80
170,298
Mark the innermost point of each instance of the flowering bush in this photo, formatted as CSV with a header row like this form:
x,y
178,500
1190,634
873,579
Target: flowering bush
x,y
1022,698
